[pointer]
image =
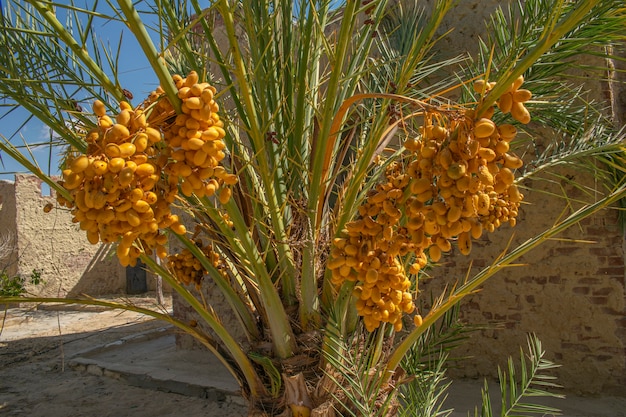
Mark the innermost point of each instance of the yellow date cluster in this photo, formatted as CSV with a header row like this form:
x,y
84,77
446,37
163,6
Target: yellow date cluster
x,y
188,269
123,186
454,181
512,101
367,253
195,145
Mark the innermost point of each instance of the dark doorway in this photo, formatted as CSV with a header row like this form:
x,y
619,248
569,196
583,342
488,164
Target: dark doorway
x,y
136,282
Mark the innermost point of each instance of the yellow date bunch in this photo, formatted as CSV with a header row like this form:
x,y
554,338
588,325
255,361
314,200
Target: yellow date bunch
x,y
189,269
454,181
124,185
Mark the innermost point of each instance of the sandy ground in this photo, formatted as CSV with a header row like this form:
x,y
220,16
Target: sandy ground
x,y
35,346
35,379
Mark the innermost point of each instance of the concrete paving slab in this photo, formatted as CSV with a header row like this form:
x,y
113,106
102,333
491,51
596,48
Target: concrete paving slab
x,y
465,395
151,360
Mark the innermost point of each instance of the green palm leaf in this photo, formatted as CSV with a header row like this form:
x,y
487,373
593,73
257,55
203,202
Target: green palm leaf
x,y
516,388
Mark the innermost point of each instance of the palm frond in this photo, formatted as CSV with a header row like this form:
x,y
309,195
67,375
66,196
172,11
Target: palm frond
x,y
519,388
424,392
593,143
34,70
408,47
426,362
514,32
354,370
596,149
446,335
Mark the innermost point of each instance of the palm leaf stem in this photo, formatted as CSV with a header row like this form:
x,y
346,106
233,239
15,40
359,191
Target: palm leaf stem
x,y
240,244
309,313
337,329
221,61
271,66
253,207
245,93
234,252
179,34
312,22
59,30
157,63
276,316
232,297
331,119
271,186
307,74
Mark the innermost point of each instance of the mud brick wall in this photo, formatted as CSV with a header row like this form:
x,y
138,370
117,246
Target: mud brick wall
x,y
8,232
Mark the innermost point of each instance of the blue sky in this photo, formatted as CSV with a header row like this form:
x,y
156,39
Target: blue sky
x,y
135,75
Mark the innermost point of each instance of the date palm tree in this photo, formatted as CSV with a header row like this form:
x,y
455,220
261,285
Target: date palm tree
x,y
328,116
